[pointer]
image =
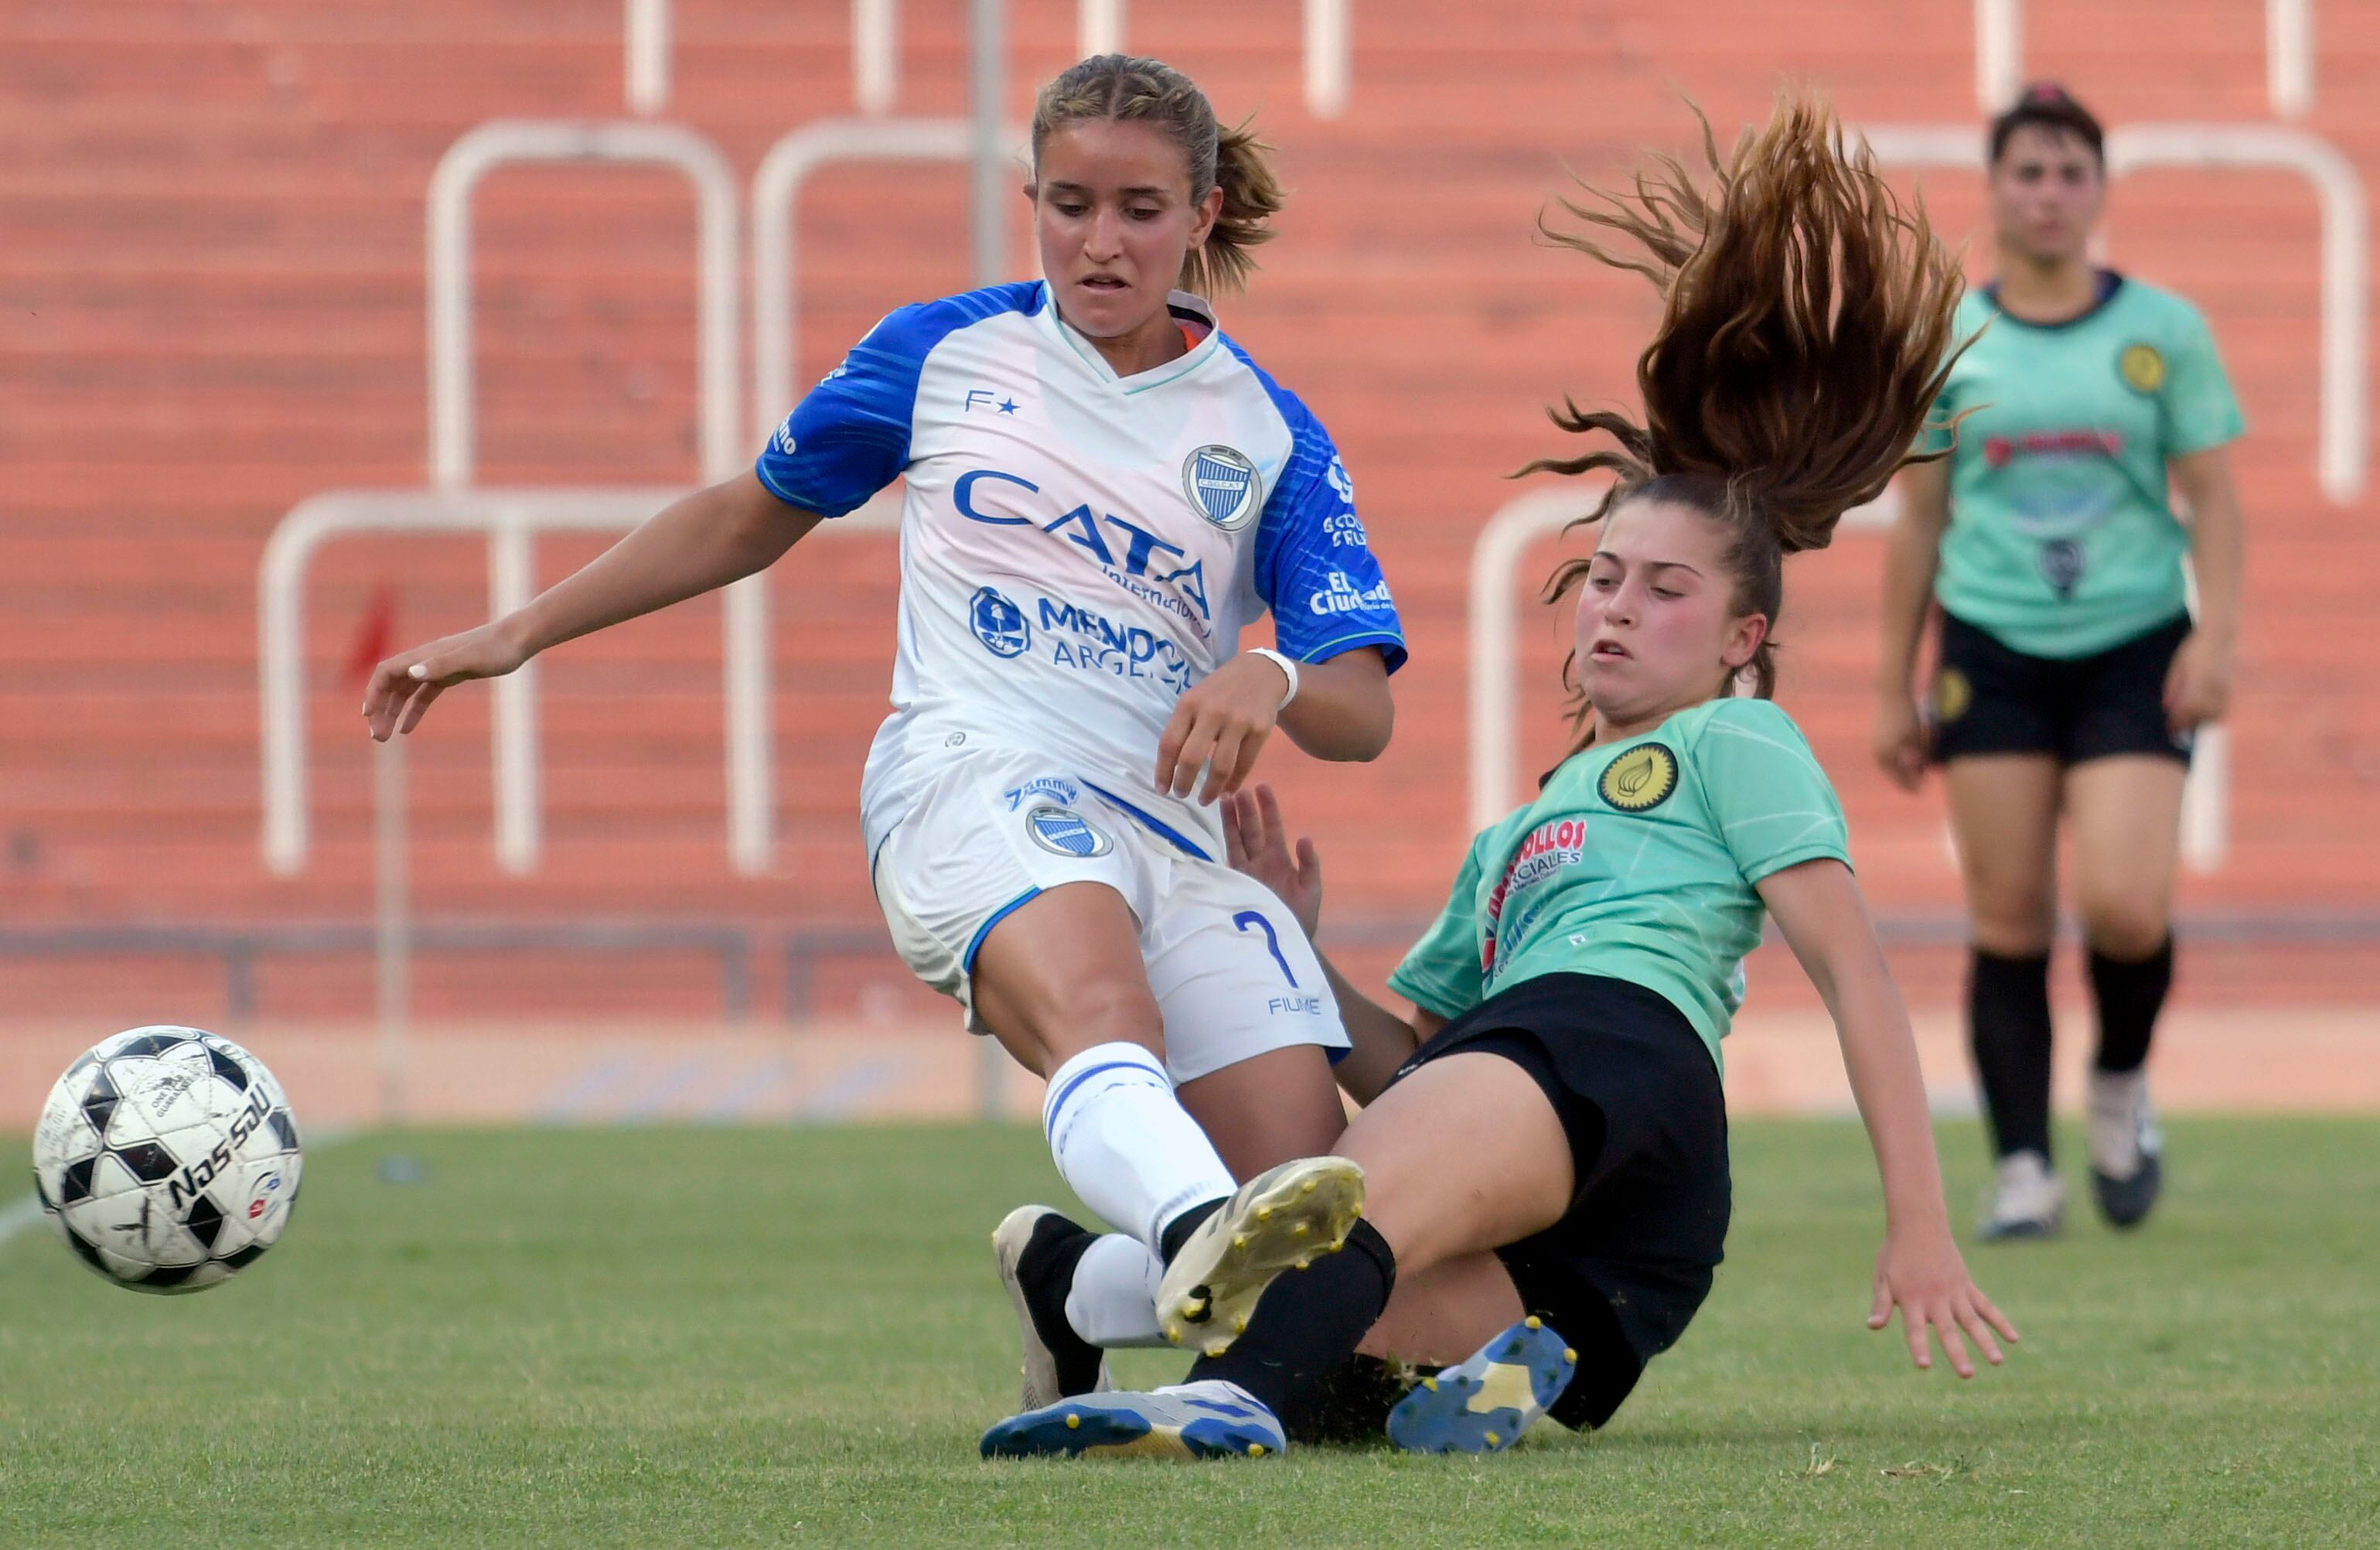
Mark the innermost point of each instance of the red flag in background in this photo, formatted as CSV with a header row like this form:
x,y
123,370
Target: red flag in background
x,y
375,636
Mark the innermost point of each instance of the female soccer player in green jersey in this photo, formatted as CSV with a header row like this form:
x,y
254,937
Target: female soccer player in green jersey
x,y
1546,1133
2071,675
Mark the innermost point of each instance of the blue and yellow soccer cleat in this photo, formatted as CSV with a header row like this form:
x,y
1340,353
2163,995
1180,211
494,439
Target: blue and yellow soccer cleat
x,y
1282,1219
1208,1420
1483,1405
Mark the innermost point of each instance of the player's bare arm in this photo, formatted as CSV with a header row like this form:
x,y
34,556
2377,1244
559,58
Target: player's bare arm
x,y
716,535
1340,711
2198,686
1818,907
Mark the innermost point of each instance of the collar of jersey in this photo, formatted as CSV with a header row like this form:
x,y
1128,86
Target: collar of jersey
x,y
1155,376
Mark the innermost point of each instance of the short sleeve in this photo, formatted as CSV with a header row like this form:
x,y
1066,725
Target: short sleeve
x,y
1441,974
850,437
1773,804
2200,411
1314,563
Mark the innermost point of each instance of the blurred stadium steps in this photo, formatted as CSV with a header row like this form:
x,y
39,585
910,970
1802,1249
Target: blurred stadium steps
x,y
213,294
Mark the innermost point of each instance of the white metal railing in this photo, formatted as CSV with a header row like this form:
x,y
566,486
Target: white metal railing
x,y
519,514
776,196
2289,54
2343,437
647,66
1999,53
452,452
1099,28
875,54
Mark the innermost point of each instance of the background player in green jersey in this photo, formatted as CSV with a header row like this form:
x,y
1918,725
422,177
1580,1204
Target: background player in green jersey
x,y
2071,677
1545,1134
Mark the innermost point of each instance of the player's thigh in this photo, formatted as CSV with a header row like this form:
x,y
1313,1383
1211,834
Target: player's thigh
x,y
2124,815
1441,1313
2004,815
1250,1022
1268,1108
1062,974
1003,888
1464,1154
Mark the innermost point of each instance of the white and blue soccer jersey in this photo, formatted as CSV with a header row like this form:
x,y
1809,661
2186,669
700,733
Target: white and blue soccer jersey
x,y
1078,548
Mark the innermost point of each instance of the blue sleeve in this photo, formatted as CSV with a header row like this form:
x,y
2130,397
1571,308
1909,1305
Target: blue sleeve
x,y
849,437
1314,564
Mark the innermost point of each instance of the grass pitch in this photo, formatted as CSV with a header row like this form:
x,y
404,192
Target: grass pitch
x,y
747,1336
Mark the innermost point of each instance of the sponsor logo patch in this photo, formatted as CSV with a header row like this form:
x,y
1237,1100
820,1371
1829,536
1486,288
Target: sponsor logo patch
x,y
998,623
1640,779
1222,483
1067,833
1552,845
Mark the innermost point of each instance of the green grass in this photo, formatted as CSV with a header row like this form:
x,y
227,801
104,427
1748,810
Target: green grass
x,y
746,1336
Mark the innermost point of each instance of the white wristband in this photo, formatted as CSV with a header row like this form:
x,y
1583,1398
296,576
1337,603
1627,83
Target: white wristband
x,y
1288,668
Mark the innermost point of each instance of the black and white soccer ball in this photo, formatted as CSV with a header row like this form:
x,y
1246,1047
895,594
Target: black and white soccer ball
x,y
166,1159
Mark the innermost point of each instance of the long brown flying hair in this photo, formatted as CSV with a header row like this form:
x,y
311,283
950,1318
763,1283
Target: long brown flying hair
x,y
1806,332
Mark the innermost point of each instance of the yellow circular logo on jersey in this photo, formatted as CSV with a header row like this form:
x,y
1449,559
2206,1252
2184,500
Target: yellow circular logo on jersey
x,y
1953,695
1640,779
2142,368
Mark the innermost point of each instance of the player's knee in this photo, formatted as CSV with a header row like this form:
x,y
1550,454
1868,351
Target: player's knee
x,y
2014,933
2126,929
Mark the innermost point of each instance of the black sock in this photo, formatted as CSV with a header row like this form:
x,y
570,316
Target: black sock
x,y
1177,1231
2007,1029
1046,1272
2130,995
1308,1323
1350,1402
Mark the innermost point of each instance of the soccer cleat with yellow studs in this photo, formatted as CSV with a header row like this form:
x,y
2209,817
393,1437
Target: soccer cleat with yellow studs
x,y
1282,1219
1483,1405
1208,1420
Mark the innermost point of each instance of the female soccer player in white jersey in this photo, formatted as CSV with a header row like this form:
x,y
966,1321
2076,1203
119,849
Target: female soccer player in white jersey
x,y
1551,1138
2073,676
1102,489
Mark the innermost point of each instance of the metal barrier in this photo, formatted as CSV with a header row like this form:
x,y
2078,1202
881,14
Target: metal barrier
x,y
452,453
243,950
776,192
2289,54
511,516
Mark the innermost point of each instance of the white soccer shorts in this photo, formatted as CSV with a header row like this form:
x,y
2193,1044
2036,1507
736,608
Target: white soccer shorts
x,y
1233,974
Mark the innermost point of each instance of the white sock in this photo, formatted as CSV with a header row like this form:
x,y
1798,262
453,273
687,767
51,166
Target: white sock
x,y
1125,1144
1113,1300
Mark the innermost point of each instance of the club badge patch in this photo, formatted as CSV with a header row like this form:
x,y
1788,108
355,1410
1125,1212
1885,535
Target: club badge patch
x,y
1065,832
2142,367
1640,779
1222,483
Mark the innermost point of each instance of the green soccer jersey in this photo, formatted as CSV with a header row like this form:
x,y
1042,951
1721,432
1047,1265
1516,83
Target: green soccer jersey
x,y
2062,541
1637,861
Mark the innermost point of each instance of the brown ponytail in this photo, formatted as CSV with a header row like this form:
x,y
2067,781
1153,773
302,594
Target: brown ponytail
x,y
1147,91
1806,333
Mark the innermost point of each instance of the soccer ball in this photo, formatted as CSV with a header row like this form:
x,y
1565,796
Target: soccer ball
x,y
166,1159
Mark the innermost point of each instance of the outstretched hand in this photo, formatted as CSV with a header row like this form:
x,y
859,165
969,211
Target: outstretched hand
x,y
1256,841
1923,1275
403,688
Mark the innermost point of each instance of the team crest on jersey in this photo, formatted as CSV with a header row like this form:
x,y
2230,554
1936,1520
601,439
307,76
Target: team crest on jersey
x,y
999,624
1223,485
1065,832
1640,779
2142,367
